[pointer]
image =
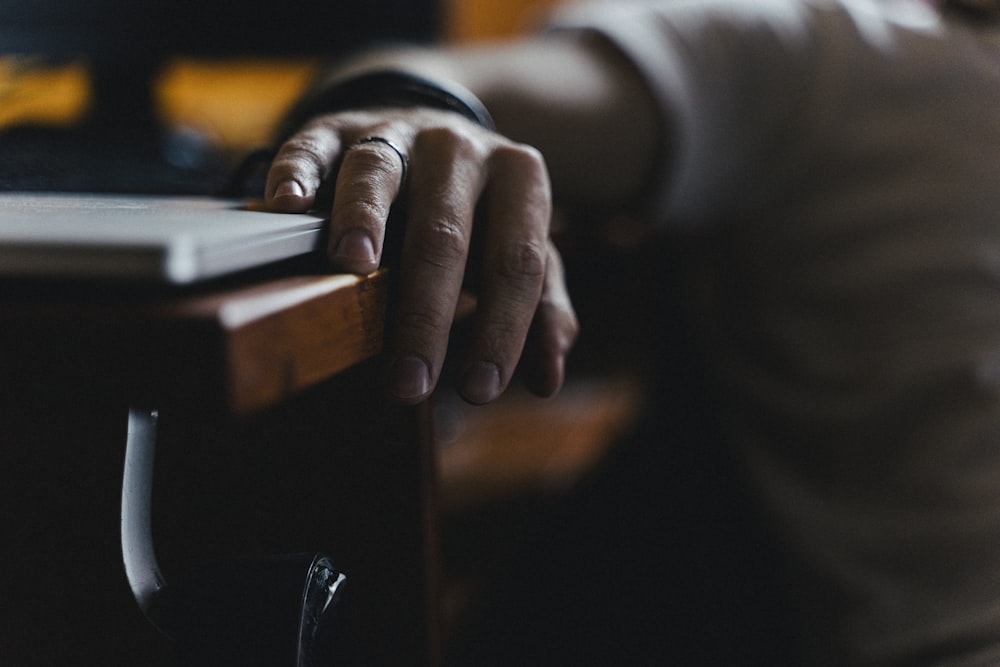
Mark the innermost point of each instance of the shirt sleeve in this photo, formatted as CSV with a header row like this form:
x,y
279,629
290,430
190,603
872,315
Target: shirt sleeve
x,y
743,88
713,71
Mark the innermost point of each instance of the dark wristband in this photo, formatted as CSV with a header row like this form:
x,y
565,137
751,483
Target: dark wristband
x,y
387,88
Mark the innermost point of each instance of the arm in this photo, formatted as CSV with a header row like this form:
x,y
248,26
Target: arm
x,y
575,100
571,95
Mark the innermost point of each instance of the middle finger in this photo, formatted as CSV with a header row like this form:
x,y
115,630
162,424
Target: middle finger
x,y
446,183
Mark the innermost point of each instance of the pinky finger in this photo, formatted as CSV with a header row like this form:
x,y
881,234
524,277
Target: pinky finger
x,y
553,332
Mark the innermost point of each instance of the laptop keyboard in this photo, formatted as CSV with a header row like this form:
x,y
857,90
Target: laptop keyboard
x,y
67,160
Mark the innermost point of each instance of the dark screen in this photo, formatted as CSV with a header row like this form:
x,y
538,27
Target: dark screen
x,y
120,145
121,28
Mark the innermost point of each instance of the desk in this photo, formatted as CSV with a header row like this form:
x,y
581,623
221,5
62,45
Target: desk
x,y
274,439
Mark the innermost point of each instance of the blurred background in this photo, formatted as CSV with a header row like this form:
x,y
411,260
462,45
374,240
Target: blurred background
x,y
232,101
502,467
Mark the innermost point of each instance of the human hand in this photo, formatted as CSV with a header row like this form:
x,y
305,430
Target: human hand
x,y
452,172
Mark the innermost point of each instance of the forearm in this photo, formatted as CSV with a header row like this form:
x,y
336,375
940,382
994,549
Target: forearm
x,y
571,96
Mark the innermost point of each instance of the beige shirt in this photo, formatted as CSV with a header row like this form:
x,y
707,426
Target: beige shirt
x,y
844,159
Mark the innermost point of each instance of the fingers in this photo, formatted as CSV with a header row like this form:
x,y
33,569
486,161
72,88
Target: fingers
x,y
300,167
371,169
435,249
514,265
369,180
457,170
553,332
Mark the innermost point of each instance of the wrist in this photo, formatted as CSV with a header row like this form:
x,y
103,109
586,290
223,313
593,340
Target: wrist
x,y
386,87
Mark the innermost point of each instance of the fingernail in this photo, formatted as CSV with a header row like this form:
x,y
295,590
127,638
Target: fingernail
x,y
357,247
409,378
289,188
481,383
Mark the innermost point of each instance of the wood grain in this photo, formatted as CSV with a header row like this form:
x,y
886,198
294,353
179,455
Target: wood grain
x,y
237,349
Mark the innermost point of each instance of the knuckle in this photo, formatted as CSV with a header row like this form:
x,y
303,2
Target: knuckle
x,y
449,142
560,326
303,152
374,159
443,242
569,331
505,332
500,340
420,324
521,157
523,167
366,206
561,321
367,182
523,261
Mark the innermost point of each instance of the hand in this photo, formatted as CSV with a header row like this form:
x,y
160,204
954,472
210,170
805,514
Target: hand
x,y
455,171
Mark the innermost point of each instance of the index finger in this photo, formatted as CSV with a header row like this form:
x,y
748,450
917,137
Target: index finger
x,y
300,166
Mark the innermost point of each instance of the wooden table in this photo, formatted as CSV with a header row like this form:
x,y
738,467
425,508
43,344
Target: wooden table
x,y
274,438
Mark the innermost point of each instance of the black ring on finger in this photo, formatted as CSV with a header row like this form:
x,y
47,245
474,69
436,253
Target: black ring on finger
x,y
404,160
